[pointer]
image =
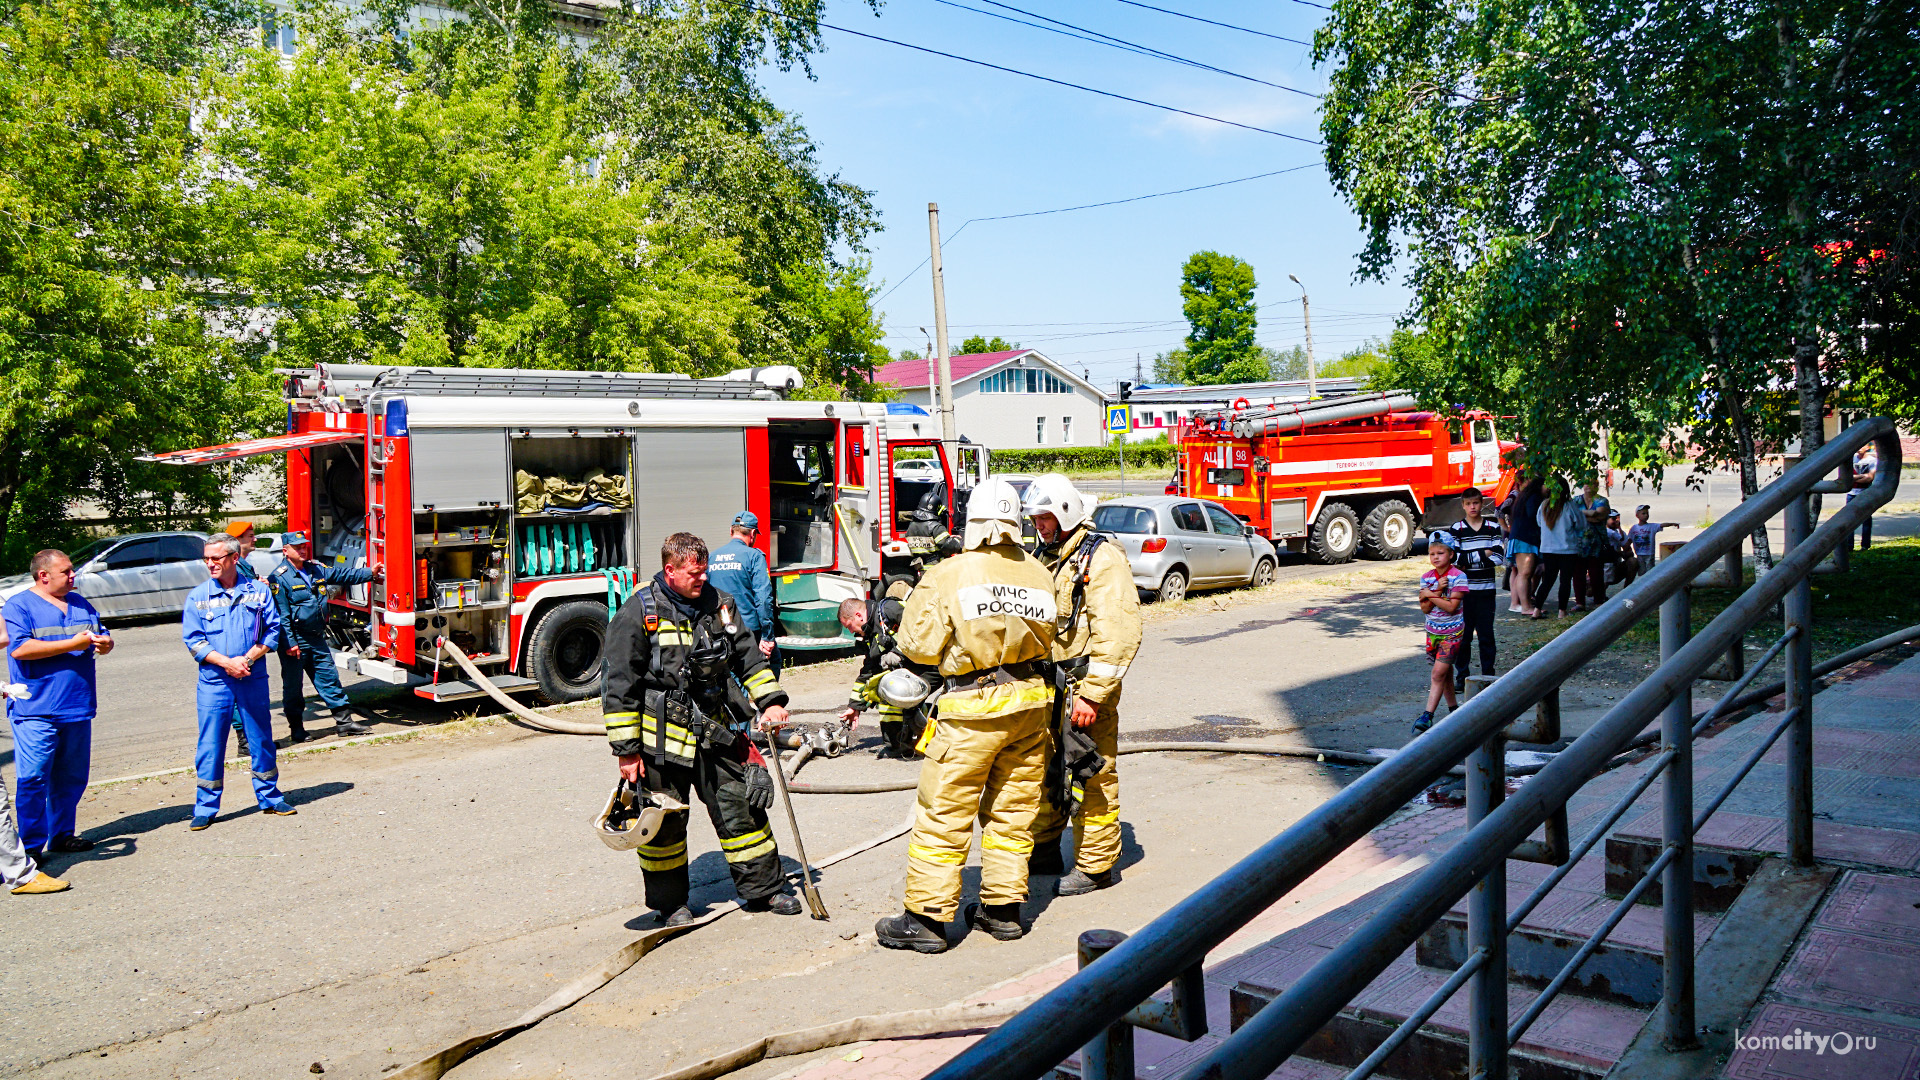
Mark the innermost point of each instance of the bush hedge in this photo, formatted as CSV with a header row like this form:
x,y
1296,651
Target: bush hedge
x,y
1042,459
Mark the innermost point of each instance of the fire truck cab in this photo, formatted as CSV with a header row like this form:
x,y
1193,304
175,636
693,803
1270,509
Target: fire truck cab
x,y
512,510
1343,476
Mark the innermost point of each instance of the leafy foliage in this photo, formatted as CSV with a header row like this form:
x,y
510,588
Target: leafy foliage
x,y
1144,455
980,344
1216,293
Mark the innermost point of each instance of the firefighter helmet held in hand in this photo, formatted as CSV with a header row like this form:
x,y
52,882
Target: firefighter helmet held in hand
x,y
902,689
1055,494
629,819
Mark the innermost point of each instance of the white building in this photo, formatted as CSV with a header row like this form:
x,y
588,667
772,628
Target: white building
x,y
1009,400
1161,409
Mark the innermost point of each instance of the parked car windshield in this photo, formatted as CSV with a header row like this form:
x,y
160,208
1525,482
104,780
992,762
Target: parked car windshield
x,y
1123,519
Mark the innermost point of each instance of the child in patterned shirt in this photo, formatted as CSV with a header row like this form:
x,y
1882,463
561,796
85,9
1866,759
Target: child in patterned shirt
x,y
1442,591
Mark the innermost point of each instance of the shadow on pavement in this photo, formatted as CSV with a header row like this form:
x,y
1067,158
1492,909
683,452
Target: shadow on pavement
x,y
120,838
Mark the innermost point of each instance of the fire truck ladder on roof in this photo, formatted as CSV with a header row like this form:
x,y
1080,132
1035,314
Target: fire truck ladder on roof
x,y
496,382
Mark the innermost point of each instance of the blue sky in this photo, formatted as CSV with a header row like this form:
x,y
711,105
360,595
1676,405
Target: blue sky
x,y
1091,288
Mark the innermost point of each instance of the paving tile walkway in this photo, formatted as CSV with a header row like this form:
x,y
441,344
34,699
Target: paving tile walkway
x,y
1853,976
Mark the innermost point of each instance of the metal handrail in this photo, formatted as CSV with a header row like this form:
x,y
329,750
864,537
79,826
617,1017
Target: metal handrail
x,y
1051,1029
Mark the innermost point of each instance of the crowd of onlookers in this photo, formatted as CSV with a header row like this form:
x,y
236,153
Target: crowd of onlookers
x,y
1562,545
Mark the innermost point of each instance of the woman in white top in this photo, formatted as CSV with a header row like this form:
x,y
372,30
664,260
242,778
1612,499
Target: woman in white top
x,y
1560,528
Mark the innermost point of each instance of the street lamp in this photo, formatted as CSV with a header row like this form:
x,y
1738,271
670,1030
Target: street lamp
x,y
1307,318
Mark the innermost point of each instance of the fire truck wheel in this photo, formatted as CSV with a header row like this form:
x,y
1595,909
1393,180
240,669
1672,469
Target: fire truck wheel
x,y
1335,534
1172,587
563,655
1388,531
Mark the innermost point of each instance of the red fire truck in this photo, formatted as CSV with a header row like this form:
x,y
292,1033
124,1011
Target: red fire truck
x,y
1345,475
511,508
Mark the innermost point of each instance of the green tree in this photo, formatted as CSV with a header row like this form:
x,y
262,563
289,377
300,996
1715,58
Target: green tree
x,y
1170,366
1216,293
1284,364
1626,217
104,350
979,344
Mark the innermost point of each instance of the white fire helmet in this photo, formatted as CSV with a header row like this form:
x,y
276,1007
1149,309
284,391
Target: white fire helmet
x,y
629,819
1055,494
993,514
903,689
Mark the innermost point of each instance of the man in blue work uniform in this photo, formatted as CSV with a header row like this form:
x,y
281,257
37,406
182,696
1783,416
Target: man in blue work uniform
x,y
229,623
299,587
53,634
243,532
739,570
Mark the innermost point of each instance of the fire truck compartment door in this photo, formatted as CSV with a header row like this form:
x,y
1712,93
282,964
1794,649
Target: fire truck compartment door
x,y
686,480
275,444
1289,518
1486,454
460,468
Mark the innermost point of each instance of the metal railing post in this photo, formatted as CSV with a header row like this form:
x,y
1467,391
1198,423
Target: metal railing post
x,y
1487,914
1676,834
1799,613
1737,652
1109,1056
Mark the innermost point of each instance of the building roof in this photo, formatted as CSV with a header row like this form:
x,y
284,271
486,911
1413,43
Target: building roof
x,y
912,374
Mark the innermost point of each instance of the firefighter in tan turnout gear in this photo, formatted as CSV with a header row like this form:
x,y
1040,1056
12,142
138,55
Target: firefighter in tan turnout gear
x,y
985,619
678,724
1099,620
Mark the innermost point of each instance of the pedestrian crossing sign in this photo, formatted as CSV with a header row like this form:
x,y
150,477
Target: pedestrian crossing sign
x,y
1119,419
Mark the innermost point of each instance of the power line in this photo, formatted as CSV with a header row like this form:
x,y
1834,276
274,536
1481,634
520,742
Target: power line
x,y
1099,38
1034,75
1211,22
1086,206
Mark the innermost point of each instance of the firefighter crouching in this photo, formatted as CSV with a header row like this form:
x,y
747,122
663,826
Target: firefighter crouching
x,y
1099,621
985,619
672,650
875,623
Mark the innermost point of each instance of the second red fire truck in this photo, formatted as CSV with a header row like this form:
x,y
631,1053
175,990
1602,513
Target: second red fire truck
x,y
1343,476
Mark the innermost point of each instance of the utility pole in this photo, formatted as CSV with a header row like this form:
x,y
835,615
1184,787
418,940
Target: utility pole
x,y
933,384
947,434
1137,380
1307,318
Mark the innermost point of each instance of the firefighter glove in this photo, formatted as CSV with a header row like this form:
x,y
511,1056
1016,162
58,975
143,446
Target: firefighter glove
x,y
759,787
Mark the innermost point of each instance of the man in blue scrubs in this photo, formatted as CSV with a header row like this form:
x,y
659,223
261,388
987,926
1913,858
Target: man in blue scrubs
x,y
228,624
53,635
738,569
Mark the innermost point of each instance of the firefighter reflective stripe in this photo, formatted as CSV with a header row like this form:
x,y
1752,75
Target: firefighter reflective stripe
x,y
1101,821
1018,845
679,742
673,634
622,725
663,856
889,712
938,856
996,700
751,846
760,684
1111,671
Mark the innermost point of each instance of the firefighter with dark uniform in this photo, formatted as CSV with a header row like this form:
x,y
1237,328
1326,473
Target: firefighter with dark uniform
x,y
874,622
982,621
677,723
1099,635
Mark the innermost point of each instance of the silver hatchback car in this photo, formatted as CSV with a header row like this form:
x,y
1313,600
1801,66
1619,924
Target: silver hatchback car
x,y
1174,543
126,576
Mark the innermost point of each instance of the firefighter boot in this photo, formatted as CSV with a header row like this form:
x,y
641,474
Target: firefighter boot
x,y
345,724
912,930
1000,920
1080,881
778,903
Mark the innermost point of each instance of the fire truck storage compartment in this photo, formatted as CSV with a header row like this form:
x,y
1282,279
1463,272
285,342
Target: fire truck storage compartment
x,y
916,487
461,579
339,521
801,469
573,507
690,479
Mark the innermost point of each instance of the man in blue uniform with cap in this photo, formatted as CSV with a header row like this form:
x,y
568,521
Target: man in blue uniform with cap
x,y
299,587
229,623
738,569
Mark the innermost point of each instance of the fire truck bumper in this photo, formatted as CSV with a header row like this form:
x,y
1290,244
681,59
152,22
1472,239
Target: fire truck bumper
x,y
372,669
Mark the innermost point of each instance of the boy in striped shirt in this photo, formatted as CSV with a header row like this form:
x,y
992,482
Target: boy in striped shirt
x,y
1442,591
1478,550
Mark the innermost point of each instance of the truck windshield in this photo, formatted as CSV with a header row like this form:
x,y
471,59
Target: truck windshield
x,y
1123,519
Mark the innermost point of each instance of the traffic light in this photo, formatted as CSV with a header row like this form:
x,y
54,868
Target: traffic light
x,y
1126,390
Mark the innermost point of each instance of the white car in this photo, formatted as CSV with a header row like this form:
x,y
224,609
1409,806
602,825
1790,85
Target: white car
x,y
917,469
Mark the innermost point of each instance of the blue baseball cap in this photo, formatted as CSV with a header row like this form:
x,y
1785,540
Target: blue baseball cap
x,y
746,519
